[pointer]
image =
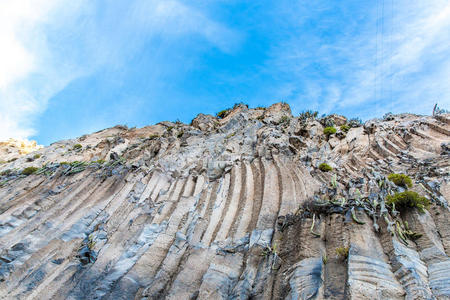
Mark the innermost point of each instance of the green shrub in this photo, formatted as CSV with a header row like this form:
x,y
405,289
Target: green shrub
x,y
153,136
29,170
285,120
345,128
180,134
230,135
309,114
400,180
408,199
342,252
223,113
77,146
325,167
6,172
36,156
99,161
64,163
329,130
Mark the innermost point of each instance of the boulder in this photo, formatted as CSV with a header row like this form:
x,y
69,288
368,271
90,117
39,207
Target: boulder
x,y
204,122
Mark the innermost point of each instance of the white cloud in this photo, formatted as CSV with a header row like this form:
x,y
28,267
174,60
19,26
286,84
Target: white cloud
x,y
15,60
173,18
28,74
46,44
413,64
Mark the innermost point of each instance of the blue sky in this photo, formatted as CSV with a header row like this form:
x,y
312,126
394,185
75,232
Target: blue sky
x,y
73,67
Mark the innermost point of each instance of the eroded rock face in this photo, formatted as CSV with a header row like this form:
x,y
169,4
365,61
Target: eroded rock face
x,y
205,122
219,210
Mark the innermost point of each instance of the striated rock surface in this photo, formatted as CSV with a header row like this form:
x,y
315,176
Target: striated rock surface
x,y
231,208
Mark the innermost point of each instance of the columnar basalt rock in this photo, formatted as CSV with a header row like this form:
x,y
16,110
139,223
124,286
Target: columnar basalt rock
x,y
230,208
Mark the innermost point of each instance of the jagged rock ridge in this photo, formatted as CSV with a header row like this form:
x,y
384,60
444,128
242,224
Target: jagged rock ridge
x,y
218,210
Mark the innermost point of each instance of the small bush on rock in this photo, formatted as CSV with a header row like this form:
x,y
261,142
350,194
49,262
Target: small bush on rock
x,y
29,170
77,146
408,199
309,114
400,180
355,122
6,172
285,120
329,130
345,128
342,252
99,161
325,167
223,113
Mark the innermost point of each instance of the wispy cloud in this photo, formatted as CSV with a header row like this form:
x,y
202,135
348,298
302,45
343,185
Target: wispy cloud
x,y
29,73
351,66
48,44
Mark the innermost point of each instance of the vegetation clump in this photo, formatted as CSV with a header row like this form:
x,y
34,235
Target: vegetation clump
x,y
6,172
99,161
309,114
75,167
408,199
342,252
404,233
285,120
29,170
355,122
223,113
77,146
230,135
36,156
324,167
269,251
345,128
329,130
400,180
153,136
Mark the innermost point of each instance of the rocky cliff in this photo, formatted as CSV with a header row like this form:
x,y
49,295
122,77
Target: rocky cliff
x,y
237,207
